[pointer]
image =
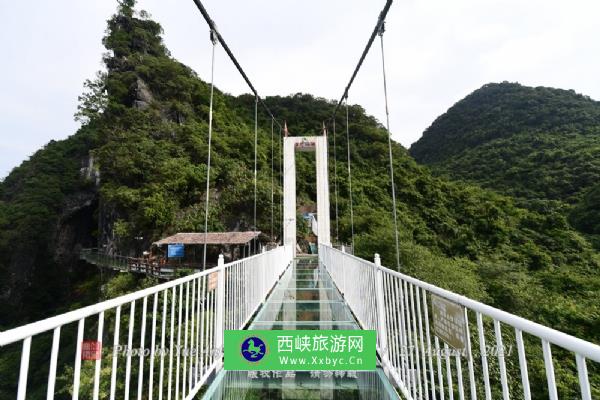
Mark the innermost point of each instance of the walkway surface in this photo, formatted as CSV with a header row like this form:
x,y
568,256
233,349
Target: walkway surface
x,y
304,298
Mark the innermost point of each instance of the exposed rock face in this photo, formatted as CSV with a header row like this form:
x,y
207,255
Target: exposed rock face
x,y
107,216
52,219
74,228
90,170
46,270
143,95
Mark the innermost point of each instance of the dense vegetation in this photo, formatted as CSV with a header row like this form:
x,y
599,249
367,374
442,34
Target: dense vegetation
x,y
529,142
532,143
586,215
36,200
145,125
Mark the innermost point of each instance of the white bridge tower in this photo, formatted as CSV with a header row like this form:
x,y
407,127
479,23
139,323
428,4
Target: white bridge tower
x,y
318,144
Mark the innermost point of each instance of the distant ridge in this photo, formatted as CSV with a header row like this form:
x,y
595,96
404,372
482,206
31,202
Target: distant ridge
x,y
536,143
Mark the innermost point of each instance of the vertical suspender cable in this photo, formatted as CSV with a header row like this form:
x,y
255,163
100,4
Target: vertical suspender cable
x,y
217,37
387,116
255,160
272,176
349,177
335,186
210,120
281,179
344,97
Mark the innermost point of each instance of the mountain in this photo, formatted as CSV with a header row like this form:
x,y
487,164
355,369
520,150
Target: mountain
x,y
528,142
533,143
137,168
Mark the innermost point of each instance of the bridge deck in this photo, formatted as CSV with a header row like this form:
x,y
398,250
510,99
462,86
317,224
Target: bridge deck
x,y
304,298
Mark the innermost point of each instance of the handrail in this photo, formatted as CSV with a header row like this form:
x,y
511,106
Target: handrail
x,y
203,303
554,336
564,340
34,328
397,306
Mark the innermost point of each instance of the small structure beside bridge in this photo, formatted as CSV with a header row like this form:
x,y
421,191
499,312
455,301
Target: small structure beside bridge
x,y
180,252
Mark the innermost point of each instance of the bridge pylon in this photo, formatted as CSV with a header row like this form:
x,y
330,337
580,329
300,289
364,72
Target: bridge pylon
x,y
318,144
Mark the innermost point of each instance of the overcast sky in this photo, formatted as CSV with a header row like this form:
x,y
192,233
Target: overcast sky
x,y
437,51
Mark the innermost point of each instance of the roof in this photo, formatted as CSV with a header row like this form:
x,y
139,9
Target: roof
x,y
211,238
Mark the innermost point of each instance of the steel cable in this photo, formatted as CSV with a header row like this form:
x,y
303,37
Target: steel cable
x,y
210,121
272,176
255,160
335,186
349,176
387,116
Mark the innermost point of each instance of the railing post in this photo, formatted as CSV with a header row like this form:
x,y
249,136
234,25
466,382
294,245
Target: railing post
x,y
220,309
263,265
342,271
381,323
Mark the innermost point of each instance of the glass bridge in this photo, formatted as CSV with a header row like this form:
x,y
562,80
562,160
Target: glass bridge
x,y
274,291
304,298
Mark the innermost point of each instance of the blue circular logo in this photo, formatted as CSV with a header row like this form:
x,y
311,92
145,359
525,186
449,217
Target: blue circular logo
x,y
253,349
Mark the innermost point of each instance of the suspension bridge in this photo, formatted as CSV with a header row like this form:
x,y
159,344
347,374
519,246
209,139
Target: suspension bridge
x,y
278,290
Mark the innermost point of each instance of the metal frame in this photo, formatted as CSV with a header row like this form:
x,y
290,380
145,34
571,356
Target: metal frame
x,y
289,189
203,311
396,305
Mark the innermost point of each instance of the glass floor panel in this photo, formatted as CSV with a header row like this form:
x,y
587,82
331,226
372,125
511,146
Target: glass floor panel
x,y
306,268
314,276
307,325
301,385
301,294
305,311
309,283
304,298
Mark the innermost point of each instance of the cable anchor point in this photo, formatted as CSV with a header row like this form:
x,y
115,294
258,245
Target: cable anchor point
x,y
381,29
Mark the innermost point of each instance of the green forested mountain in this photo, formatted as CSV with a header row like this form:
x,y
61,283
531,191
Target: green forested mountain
x,y
585,216
137,167
529,142
532,143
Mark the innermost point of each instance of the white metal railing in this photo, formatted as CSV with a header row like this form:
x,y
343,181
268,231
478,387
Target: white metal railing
x,y
397,306
182,321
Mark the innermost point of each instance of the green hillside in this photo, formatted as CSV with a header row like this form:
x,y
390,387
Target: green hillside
x,y
145,136
528,142
532,143
146,130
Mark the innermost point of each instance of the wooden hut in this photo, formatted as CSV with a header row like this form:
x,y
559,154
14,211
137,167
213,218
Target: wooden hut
x,y
190,247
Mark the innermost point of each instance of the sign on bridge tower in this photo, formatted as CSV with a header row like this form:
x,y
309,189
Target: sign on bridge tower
x,y
318,144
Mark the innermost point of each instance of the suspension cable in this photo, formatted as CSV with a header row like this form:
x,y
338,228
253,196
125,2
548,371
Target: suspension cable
x,y
219,37
255,160
272,177
281,179
380,21
349,177
387,116
335,186
210,120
